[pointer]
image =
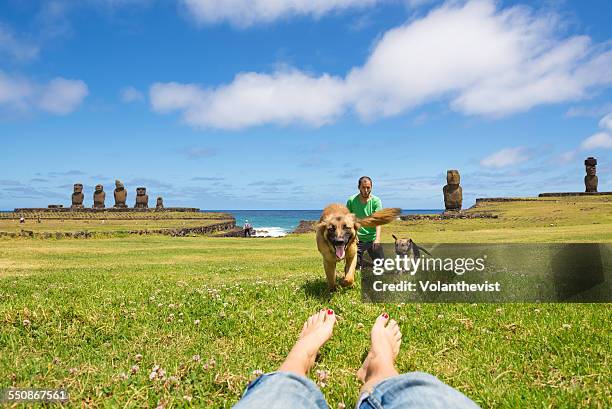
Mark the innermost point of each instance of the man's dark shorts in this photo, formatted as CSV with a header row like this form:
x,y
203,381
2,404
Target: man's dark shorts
x,y
374,252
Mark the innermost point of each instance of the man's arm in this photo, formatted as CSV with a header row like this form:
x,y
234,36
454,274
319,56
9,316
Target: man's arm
x,y
377,206
378,231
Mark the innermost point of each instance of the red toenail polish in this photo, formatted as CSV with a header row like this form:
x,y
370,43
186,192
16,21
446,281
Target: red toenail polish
x,y
330,312
385,315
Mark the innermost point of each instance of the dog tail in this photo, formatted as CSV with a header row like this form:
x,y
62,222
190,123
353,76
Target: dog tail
x,y
381,217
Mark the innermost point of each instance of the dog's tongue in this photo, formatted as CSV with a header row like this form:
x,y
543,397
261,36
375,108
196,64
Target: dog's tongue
x,y
340,251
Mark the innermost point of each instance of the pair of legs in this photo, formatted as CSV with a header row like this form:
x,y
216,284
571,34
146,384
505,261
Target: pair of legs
x,y
383,387
375,251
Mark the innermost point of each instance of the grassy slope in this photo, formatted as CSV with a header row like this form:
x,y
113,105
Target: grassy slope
x,y
95,304
106,222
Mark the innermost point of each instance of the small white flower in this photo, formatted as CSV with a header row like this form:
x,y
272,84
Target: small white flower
x,y
196,358
257,372
341,405
138,357
359,325
187,398
440,316
152,375
196,322
122,376
26,322
134,369
566,326
322,375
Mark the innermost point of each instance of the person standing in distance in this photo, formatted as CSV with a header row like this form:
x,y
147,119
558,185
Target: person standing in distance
x,y
363,204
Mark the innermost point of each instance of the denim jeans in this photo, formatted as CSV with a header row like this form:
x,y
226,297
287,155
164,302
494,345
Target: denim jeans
x,y
285,390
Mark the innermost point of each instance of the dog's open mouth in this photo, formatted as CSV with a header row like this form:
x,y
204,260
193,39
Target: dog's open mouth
x,y
340,251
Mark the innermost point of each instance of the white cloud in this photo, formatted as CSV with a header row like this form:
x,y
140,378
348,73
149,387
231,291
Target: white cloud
x,y
601,139
482,60
131,94
254,99
505,157
567,157
598,140
16,48
244,13
589,110
59,96
606,122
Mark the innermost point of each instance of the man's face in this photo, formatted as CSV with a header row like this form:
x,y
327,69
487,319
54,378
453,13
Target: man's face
x,y
365,188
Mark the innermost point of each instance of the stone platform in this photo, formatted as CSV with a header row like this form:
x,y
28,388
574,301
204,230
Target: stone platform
x,y
563,194
504,199
108,209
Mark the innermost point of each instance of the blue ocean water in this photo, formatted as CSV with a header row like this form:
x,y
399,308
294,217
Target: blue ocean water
x,y
281,222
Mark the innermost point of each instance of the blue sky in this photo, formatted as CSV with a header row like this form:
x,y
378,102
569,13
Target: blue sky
x,y
283,105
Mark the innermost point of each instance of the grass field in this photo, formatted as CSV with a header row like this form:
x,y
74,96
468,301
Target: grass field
x,y
79,314
107,222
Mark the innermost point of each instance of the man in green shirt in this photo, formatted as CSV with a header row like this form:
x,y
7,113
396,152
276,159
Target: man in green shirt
x,y
363,204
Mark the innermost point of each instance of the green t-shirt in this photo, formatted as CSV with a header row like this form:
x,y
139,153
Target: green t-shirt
x,y
361,210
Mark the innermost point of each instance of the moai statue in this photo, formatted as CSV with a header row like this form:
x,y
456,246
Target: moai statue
x,y
160,203
453,194
590,180
142,198
77,196
120,195
99,197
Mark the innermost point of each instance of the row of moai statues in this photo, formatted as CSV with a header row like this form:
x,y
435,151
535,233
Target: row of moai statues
x,y
453,193
120,195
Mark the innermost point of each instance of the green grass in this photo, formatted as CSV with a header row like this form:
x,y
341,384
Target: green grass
x,y
106,222
95,304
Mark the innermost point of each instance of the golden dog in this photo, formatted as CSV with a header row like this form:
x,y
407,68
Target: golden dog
x,y
337,238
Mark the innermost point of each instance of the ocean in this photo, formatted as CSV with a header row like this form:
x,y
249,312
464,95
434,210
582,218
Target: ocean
x,y
277,223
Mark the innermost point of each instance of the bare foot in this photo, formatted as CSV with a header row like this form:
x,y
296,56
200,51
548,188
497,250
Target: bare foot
x,y
317,329
379,364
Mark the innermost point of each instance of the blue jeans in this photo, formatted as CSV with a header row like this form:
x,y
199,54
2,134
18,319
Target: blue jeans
x,y
285,390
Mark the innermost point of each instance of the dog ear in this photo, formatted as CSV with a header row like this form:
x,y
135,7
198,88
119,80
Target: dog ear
x,y
320,225
394,238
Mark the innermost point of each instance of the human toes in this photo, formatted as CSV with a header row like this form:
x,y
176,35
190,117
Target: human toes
x,y
321,316
329,317
380,322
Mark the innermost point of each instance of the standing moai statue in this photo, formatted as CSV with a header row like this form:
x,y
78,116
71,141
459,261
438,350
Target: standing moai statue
x,y
590,180
98,197
453,194
142,198
77,196
160,203
120,195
